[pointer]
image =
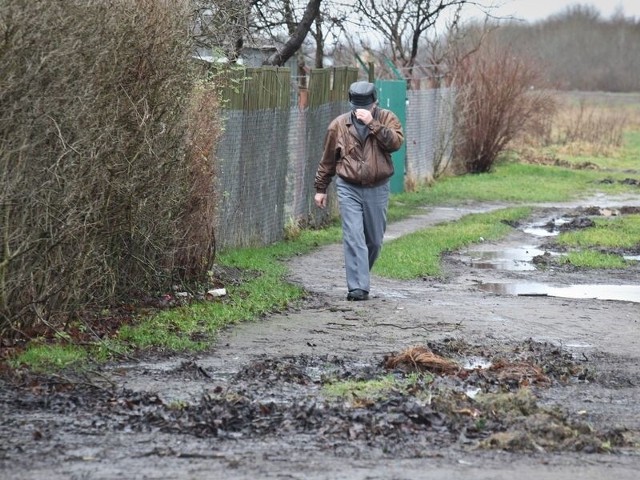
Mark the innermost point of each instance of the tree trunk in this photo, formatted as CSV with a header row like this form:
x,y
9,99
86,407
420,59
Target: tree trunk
x,y
295,41
319,43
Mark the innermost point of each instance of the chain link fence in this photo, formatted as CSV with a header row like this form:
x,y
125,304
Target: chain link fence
x,y
268,159
428,132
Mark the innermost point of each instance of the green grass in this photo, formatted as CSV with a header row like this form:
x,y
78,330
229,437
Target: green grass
x,y
509,182
594,260
418,254
46,358
374,389
631,152
263,290
610,232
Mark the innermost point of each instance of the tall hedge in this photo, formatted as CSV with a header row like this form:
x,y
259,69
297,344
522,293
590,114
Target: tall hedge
x,y
106,136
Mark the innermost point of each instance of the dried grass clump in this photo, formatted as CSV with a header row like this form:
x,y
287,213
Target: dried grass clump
x,y
581,127
410,183
105,156
522,373
532,157
590,129
421,359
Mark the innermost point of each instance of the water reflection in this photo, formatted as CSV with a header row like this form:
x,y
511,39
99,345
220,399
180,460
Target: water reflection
x,y
625,293
548,229
514,259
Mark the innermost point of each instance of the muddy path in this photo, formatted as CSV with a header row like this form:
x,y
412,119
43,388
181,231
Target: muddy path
x,y
537,384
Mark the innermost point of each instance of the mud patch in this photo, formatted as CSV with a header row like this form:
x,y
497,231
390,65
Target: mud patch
x,y
277,397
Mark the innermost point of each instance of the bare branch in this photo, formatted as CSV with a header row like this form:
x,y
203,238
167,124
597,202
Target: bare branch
x,y
295,41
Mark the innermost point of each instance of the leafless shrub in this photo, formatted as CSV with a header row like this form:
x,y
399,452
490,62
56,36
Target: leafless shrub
x,y
195,248
497,98
101,194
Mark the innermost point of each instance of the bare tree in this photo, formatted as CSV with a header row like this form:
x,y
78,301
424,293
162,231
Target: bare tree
x,y
225,25
297,36
404,23
330,26
283,22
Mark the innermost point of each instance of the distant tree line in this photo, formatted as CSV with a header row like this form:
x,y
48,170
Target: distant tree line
x,y
581,50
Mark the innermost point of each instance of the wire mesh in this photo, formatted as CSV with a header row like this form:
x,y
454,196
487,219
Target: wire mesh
x,y
428,131
268,159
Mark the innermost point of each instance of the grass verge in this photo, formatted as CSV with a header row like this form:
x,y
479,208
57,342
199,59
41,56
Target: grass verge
x,y
595,260
611,232
263,290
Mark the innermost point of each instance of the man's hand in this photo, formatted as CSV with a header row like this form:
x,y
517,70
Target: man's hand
x,y
364,115
321,200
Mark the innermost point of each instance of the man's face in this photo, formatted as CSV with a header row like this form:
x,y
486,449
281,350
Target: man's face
x,y
368,108
364,114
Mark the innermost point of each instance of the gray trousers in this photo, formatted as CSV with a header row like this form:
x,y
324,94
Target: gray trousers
x,y
364,221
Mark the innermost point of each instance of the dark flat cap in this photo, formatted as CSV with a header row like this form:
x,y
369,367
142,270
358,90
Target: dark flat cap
x,y
362,94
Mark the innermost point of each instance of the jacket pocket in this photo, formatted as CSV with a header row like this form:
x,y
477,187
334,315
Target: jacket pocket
x,y
384,167
348,165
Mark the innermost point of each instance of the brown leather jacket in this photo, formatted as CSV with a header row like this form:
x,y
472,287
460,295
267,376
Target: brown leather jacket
x,y
367,163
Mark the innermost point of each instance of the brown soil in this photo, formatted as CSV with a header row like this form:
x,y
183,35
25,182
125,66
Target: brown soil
x,y
534,386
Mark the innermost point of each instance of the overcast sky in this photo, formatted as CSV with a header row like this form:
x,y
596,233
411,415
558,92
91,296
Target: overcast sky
x,y
532,10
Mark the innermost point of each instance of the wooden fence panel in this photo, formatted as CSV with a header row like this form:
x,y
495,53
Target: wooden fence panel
x,y
319,86
330,85
260,88
342,78
257,88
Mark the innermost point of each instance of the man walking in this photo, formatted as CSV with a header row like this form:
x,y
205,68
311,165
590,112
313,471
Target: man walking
x,y
358,147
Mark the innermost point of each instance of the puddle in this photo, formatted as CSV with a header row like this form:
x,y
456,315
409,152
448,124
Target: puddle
x,y
578,345
625,293
513,259
548,229
521,258
473,363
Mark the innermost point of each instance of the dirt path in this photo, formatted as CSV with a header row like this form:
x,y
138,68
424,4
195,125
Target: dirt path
x,y
252,408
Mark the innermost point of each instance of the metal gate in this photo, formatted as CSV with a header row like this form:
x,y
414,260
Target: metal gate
x,y
392,95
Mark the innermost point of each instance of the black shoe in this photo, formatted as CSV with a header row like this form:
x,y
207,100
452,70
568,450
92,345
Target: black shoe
x,y
357,294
